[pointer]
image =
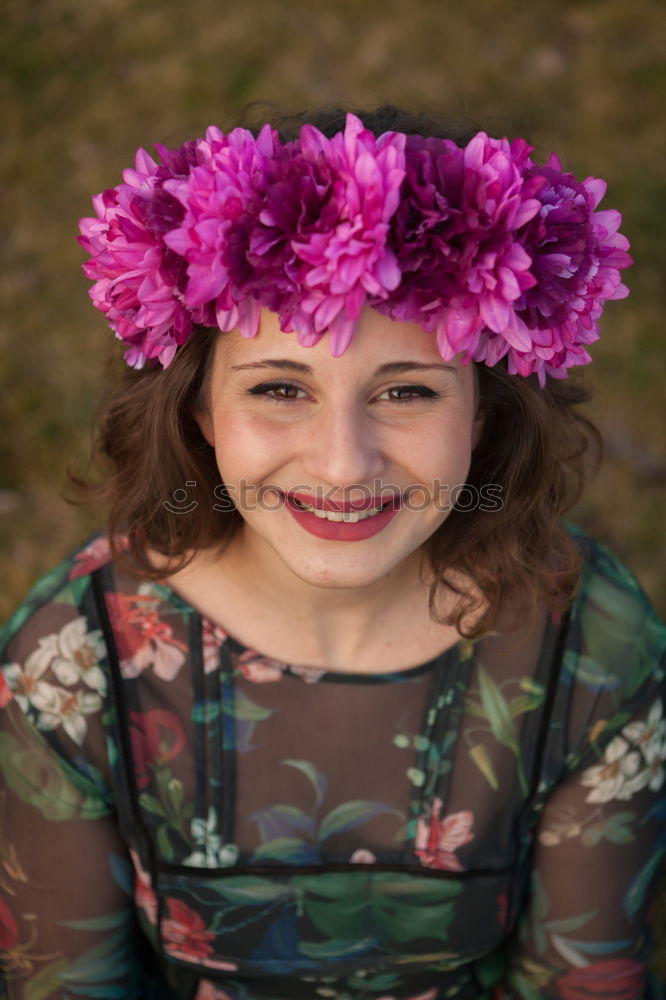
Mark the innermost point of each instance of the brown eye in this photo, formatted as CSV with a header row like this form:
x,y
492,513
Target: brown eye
x,y
279,391
408,393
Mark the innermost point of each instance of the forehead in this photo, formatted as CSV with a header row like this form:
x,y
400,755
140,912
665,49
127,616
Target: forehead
x,y
377,341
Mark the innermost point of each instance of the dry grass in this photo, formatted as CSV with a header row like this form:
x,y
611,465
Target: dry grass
x,y
83,84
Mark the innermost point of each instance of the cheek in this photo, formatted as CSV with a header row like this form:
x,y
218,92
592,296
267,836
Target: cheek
x,y
448,447
248,449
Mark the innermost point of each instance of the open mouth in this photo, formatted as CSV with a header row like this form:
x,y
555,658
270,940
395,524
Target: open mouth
x,y
347,516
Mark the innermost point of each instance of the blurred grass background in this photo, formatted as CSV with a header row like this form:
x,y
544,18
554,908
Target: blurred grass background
x,y
83,84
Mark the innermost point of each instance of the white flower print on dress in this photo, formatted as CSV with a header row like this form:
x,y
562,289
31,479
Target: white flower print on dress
x,y
648,736
68,708
618,776
211,853
76,655
362,856
27,685
72,655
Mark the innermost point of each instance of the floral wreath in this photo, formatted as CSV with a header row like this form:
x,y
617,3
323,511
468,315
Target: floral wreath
x,y
479,245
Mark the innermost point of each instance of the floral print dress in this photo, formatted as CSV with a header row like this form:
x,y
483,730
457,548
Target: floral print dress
x,y
182,817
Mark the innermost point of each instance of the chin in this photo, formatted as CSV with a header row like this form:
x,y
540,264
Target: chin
x,y
328,577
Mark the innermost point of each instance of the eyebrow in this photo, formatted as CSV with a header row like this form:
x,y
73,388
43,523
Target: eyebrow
x,y
391,368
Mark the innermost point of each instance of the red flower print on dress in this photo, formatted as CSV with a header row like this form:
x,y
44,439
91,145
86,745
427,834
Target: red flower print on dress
x,y
437,838
97,553
8,929
156,736
212,639
618,979
502,908
184,933
260,669
142,639
5,692
144,896
263,670
185,936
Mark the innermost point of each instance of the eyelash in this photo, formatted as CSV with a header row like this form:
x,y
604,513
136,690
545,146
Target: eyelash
x,y
268,388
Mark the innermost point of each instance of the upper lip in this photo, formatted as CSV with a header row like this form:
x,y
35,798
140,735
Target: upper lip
x,y
363,503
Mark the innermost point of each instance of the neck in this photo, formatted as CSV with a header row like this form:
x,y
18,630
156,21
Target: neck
x,y
249,590
337,619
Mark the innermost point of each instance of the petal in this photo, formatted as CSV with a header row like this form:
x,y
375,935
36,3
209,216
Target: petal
x,y
340,334
66,672
75,727
596,187
495,313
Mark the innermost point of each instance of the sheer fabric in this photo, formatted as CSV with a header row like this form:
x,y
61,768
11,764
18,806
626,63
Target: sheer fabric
x,y
183,817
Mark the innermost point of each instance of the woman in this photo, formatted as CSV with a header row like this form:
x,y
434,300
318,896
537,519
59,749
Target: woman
x,y
359,714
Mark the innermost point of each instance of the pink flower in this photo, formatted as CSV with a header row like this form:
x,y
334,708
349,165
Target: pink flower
x,y
213,637
577,255
437,839
309,674
137,278
142,639
495,254
322,235
97,553
221,198
455,239
184,932
363,857
144,896
351,261
260,669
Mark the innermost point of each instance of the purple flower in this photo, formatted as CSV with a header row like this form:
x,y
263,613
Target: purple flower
x,y
577,255
455,240
137,278
496,255
318,250
502,257
222,197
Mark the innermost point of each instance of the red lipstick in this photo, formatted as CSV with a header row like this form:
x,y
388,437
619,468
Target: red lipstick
x,y
323,503
342,531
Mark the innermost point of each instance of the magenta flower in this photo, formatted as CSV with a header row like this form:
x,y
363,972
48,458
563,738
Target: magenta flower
x,y
494,254
137,278
319,250
455,239
222,197
438,838
577,255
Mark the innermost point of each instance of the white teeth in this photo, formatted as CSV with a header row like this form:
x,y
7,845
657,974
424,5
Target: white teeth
x,y
349,517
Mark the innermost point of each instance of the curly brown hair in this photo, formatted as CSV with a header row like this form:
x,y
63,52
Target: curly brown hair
x,y
536,449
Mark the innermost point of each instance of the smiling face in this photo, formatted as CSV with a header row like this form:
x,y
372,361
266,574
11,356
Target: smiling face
x,y
341,467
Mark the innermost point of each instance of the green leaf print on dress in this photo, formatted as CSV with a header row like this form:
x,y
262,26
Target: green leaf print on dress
x,y
292,835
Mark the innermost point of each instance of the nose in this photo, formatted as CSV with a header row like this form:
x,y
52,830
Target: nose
x,y
345,448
